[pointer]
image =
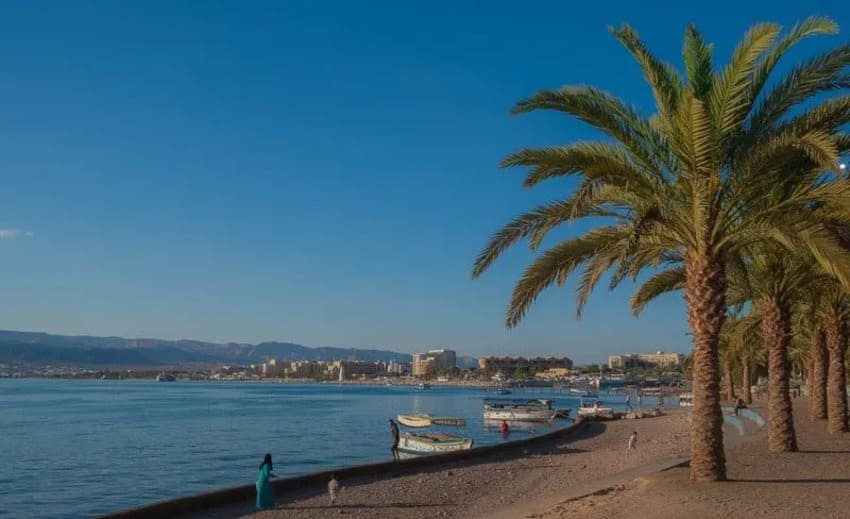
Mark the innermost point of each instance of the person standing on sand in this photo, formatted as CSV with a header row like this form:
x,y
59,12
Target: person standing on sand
x,y
333,487
265,494
505,429
629,401
394,432
639,399
632,442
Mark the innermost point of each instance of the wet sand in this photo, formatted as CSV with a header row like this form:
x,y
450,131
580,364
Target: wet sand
x,y
482,487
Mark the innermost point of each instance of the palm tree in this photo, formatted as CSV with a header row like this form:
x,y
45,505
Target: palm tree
x,y
818,374
834,305
678,188
775,282
746,344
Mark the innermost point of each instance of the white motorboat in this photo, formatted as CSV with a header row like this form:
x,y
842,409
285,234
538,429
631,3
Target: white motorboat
x,y
686,400
432,443
595,410
519,410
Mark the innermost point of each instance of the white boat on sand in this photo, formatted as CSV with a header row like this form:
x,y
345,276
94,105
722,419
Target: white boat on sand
x,y
519,410
432,443
596,411
426,420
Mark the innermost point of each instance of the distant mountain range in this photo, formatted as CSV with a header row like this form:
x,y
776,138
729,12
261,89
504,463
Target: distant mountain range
x,y
43,348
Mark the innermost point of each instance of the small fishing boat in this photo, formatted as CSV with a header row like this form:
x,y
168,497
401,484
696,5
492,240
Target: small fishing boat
x,y
426,420
519,410
423,386
686,400
165,377
595,410
502,391
432,443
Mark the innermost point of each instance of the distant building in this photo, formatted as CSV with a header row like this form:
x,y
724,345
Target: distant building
x,y
645,360
349,369
553,374
533,364
433,361
396,368
272,368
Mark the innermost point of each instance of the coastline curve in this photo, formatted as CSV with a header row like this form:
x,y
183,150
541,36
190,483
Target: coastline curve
x,y
175,507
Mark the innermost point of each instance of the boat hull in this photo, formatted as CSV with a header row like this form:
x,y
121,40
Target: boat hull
x,y
414,420
432,443
426,420
520,415
597,412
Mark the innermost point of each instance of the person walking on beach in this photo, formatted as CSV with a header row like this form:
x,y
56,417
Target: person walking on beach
x,y
629,401
394,432
333,487
505,429
639,399
265,494
632,442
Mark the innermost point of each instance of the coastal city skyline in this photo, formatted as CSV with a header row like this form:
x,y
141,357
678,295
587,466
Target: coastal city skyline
x,y
595,355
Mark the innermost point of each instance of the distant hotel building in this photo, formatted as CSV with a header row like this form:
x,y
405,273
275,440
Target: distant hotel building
x,y
433,361
510,364
645,360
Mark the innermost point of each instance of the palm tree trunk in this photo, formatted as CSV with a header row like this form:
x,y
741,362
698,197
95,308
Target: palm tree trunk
x,y
746,384
730,382
836,394
817,376
776,333
705,294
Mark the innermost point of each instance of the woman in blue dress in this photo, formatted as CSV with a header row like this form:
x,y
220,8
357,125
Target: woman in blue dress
x,y
265,495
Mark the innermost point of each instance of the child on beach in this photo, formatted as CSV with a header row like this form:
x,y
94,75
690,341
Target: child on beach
x,y
632,442
333,487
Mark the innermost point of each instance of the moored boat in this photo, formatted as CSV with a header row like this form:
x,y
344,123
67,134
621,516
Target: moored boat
x,y
423,386
165,377
586,393
432,443
426,420
595,410
519,410
686,400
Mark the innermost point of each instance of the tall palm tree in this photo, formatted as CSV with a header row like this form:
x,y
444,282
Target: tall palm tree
x,y
818,374
834,305
678,187
746,344
774,281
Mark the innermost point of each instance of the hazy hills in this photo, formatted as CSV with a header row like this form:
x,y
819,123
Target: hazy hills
x,y
43,348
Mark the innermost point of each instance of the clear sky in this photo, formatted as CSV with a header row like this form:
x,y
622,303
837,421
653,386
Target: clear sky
x,y
310,171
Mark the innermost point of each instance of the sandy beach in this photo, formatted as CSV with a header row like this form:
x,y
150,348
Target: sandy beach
x,y
484,487
809,483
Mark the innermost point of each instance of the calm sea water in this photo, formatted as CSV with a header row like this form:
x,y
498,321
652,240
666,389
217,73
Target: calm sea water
x,y
79,448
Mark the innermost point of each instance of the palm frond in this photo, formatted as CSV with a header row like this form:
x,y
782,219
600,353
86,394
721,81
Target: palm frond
x,y
666,281
729,98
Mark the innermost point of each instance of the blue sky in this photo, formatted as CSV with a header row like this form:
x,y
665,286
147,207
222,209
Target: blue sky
x,y
312,171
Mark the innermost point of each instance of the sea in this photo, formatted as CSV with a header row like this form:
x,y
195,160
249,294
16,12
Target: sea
x,y
79,448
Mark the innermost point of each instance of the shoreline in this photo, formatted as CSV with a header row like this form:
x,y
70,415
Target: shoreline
x,y
477,486
482,487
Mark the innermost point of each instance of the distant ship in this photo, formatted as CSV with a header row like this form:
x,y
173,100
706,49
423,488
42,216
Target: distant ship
x,y
165,377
